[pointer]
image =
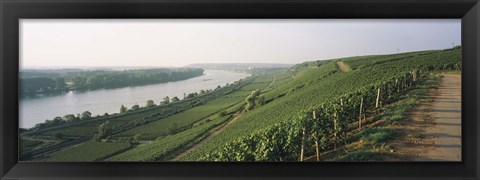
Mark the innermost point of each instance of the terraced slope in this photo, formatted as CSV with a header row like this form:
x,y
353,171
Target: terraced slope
x,y
313,86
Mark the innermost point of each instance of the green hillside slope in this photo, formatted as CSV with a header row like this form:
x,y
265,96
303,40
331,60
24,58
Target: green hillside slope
x,y
314,83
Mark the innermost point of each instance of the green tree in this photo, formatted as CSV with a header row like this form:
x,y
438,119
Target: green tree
x,y
175,99
57,120
166,100
150,103
123,109
102,131
190,95
137,138
135,107
86,115
69,118
253,100
60,83
250,103
260,100
35,85
79,82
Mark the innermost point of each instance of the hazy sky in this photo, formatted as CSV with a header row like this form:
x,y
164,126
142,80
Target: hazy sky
x,y
164,42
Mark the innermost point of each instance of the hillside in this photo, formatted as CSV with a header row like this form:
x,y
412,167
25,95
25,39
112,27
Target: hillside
x,y
315,82
265,117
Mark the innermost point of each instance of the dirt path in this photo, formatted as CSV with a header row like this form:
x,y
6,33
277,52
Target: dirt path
x,y
343,67
214,132
271,83
445,134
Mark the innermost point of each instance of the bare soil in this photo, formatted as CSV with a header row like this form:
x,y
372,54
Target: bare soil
x,y
447,115
434,129
342,66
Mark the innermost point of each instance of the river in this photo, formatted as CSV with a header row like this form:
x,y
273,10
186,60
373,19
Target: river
x,y
34,110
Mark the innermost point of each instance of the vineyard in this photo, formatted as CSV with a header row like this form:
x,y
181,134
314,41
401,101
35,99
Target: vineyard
x,y
163,148
194,115
88,151
307,110
323,90
323,125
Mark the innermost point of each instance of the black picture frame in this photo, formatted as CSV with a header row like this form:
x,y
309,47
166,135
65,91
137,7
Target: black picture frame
x,y
13,10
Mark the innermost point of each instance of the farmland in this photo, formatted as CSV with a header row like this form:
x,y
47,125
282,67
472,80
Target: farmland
x,y
316,85
88,151
263,117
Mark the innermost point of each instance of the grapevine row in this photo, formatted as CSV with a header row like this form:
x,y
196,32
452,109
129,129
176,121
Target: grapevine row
x,y
322,125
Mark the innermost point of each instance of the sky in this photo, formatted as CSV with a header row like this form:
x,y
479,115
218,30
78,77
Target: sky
x,y
179,42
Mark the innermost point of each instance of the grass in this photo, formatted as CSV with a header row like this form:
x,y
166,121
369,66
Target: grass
x,y
375,140
183,119
379,135
29,144
163,148
189,117
289,95
365,156
90,128
126,121
311,86
87,151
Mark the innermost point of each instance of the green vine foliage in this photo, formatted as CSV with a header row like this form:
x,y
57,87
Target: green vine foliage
x,y
282,141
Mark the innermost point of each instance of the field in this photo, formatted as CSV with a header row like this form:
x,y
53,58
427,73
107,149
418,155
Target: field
x,y
316,104
313,86
88,151
161,149
187,118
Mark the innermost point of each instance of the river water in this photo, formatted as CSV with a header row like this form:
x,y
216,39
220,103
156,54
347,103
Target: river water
x,y
34,110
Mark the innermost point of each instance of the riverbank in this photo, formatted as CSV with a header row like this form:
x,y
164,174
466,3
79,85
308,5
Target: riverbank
x,y
98,102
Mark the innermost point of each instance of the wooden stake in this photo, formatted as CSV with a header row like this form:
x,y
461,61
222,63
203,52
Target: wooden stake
x,y
378,98
396,84
360,115
316,140
414,75
335,131
318,149
303,144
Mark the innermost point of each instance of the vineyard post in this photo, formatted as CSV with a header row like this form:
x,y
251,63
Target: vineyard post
x,y
405,84
335,131
414,75
396,84
360,115
303,143
378,98
316,140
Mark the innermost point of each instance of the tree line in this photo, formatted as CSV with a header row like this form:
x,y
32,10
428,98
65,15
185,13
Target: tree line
x,y
199,98
97,79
